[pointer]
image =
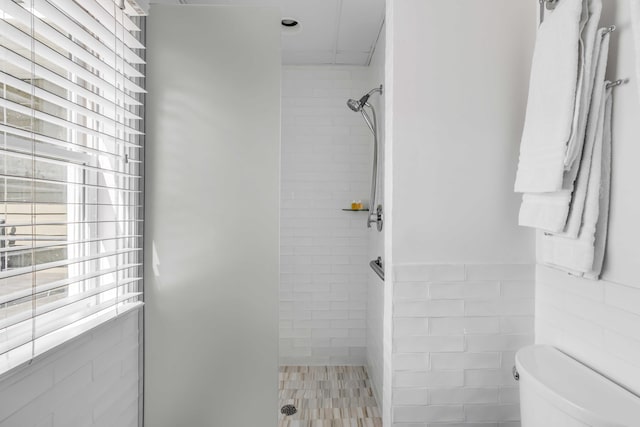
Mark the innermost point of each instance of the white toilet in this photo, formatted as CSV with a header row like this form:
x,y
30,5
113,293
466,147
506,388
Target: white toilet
x,y
558,391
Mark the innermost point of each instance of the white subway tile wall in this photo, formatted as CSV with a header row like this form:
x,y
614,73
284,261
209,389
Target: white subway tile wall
x,y
597,322
456,329
326,163
91,381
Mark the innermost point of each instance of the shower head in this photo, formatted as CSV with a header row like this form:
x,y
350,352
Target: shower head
x,y
357,105
354,105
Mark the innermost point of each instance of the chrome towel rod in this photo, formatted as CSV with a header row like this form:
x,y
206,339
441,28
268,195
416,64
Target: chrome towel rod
x,y
616,83
376,266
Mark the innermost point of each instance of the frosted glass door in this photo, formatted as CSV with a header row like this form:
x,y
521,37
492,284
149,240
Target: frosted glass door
x,y
212,201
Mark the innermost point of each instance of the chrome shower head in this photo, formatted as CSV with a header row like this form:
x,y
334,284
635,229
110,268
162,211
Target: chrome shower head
x,y
354,105
357,105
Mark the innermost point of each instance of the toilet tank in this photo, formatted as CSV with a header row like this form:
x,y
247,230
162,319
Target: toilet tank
x,y
558,391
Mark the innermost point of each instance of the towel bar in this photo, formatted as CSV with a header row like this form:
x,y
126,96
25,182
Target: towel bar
x,y
376,266
618,82
609,30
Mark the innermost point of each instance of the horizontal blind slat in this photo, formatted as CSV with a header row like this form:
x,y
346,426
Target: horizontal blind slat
x,y
62,302
10,105
69,162
41,72
87,21
59,242
132,8
54,264
105,64
111,123
67,183
59,19
64,320
16,295
122,18
77,148
13,202
101,15
25,41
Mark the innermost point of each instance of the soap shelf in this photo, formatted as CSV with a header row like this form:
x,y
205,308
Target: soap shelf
x,y
356,210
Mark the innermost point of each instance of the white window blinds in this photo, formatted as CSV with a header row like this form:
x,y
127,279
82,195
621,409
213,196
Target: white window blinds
x,y
71,155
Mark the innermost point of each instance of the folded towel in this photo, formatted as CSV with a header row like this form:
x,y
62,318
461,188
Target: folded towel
x,y
635,22
583,256
578,197
552,99
588,44
550,211
605,195
545,211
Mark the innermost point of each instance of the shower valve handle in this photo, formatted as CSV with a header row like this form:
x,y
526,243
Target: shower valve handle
x,y
377,218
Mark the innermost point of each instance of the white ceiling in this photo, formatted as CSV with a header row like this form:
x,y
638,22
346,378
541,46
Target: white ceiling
x,y
333,31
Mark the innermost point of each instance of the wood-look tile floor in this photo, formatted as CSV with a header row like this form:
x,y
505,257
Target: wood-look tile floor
x,y
328,396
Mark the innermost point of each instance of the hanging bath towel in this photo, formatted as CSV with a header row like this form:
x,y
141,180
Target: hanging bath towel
x,y
549,211
583,256
551,105
578,197
605,194
589,46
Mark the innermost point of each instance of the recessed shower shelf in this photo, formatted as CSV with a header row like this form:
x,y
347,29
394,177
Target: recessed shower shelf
x,y
356,210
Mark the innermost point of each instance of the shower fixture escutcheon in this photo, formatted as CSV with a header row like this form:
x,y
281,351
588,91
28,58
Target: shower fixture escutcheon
x,y
376,218
360,106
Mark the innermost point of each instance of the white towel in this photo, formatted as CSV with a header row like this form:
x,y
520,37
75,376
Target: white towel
x,y
583,256
635,22
588,45
545,211
578,197
605,194
552,98
549,211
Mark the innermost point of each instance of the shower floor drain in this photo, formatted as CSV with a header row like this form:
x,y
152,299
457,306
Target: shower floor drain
x,y
288,410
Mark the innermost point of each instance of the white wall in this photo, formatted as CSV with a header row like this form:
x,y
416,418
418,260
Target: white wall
x,y
326,163
598,322
460,86
463,274
93,380
212,216
456,329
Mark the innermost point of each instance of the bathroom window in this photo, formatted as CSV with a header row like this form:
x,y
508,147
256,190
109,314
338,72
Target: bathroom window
x,y
70,170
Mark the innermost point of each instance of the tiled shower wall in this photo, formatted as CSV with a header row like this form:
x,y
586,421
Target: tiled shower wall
x,y
326,163
456,330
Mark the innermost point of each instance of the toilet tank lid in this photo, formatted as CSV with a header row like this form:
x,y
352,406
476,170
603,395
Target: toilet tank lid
x,y
576,389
